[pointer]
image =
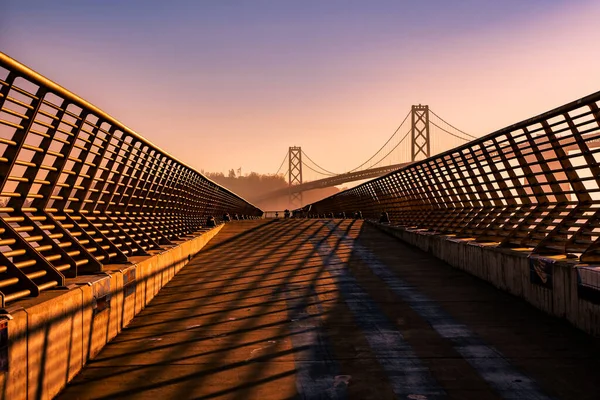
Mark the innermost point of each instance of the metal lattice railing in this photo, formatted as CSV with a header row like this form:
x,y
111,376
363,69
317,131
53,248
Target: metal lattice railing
x,y
79,189
531,185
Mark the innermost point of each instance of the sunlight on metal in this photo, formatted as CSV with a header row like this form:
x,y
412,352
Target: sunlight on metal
x,y
79,189
533,185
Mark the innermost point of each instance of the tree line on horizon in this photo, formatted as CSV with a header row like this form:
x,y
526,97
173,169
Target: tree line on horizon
x,y
253,185
250,185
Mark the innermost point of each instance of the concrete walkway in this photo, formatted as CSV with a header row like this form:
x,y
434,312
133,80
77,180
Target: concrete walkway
x,y
336,310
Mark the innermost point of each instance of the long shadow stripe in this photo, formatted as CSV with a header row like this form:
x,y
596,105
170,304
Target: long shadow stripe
x,y
489,363
409,378
315,366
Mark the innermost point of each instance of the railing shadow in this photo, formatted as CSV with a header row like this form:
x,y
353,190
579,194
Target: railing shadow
x,y
294,263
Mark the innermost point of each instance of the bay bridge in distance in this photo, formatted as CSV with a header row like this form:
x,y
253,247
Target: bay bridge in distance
x,y
421,134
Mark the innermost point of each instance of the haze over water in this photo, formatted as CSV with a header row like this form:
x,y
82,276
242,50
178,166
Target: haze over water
x,y
232,84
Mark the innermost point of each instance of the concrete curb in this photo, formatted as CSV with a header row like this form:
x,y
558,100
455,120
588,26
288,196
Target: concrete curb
x,y
51,337
556,285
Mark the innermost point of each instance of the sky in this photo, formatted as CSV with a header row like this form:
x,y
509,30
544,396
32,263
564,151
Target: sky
x,y
229,84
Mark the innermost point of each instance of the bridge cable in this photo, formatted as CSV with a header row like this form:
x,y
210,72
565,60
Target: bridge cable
x,y
400,142
330,173
361,165
448,132
317,165
279,169
380,149
449,124
314,170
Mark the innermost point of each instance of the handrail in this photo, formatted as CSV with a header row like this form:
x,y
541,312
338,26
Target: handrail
x,y
79,189
35,77
534,184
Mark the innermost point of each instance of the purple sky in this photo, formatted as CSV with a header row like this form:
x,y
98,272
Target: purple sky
x,y
228,84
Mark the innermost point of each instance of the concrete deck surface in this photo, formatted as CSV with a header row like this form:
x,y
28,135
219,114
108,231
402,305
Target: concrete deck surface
x,y
336,310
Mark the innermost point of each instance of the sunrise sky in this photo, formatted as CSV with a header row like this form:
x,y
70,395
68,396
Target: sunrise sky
x,y
228,84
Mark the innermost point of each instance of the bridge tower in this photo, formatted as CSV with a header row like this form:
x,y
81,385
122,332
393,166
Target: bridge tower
x,y
419,138
295,175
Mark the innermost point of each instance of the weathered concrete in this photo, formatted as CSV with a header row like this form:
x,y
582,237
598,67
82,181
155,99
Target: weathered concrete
x,y
552,284
320,309
51,337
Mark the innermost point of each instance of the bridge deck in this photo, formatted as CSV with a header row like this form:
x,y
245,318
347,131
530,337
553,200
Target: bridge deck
x,y
273,310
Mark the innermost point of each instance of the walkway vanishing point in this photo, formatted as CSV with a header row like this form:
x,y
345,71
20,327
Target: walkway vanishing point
x,y
336,309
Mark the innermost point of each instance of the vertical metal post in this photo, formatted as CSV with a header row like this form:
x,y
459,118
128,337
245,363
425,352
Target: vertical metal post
x,y
419,138
295,175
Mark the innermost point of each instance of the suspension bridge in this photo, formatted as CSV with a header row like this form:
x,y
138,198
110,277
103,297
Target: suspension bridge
x,y
125,273
421,134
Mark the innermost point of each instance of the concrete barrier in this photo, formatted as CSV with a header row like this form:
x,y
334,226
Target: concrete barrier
x,y
45,341
557,285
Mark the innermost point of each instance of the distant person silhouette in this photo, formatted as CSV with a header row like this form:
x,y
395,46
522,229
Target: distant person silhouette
x,y
384,218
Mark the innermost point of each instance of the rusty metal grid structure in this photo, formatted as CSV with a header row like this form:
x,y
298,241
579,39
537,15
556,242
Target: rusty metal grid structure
x,y
80,189
533,185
